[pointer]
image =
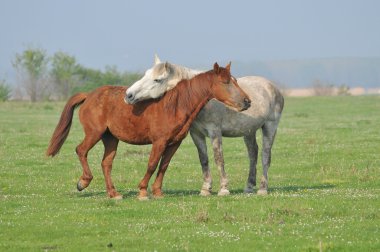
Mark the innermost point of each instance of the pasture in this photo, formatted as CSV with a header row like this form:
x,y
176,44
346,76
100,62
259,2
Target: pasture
x,y
324,187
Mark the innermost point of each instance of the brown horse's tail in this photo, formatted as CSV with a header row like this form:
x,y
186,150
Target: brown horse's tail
x,y
63,128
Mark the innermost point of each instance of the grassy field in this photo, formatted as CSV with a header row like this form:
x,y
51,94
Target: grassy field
x,y
324,188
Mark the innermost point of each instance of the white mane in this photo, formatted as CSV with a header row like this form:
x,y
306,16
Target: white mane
x,y
180,73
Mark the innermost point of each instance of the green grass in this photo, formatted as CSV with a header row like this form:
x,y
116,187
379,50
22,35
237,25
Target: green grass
x,y
324,188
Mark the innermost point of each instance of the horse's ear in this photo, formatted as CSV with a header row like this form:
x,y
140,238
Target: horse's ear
x,y
216,68
156,59
168,67
228,67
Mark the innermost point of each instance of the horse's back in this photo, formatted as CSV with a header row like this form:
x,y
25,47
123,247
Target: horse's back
x,y
99,103
104,95
266,105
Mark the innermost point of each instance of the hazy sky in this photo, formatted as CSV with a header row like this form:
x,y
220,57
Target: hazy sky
x,y
193,33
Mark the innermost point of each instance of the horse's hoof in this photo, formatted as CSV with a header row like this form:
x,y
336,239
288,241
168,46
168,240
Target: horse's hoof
x,y
79,186
117,197
262,192
205,193
248,190
157,193
223,192
143,195
158,196
143,198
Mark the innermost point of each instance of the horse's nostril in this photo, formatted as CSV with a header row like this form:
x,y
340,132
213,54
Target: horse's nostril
x,y
129,96
247,103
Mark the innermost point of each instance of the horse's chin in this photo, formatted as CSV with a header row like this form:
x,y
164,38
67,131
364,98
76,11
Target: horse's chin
x,y
233,108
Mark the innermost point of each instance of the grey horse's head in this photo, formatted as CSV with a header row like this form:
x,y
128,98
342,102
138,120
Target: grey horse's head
x,y
156,81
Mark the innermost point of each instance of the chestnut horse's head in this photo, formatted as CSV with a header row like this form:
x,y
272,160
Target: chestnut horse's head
x,y
227,90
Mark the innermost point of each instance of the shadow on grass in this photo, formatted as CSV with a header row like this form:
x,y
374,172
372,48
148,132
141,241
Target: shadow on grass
x,y
180,192
84,194
89,194
293,188
177,193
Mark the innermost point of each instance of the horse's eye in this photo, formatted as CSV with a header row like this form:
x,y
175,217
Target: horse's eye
x,y
157,80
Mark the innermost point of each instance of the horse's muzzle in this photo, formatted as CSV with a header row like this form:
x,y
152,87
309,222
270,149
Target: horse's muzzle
x,y
246,104
129,98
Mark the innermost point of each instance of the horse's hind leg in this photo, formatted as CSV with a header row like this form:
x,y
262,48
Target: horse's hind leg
x,y
252,149
110,147
269,132
82,150
200,142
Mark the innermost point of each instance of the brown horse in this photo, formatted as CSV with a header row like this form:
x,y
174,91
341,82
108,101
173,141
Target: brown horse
x,y
164,123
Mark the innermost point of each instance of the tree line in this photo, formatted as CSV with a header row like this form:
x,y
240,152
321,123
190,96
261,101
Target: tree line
x,y
57,77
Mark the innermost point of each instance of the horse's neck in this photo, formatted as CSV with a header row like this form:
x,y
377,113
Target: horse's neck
x,y
190,96
186,127
187,94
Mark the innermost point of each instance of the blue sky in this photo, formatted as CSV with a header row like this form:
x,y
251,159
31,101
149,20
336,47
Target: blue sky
x,y
193,33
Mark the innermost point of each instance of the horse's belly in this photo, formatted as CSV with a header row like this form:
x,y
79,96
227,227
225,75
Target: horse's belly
x,y
136,141
131,135
237,124
217,117
237,127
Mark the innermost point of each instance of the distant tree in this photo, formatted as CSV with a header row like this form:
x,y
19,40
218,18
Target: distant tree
x,y
5,91
63,70
343,90
32,66
89,79
130,78
322,89
111,76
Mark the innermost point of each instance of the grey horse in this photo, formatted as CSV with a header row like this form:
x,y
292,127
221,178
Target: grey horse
x,y
216,120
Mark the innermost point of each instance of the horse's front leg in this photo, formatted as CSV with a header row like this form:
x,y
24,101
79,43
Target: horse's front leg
x,y
200,142
155,155
165,160
216,141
